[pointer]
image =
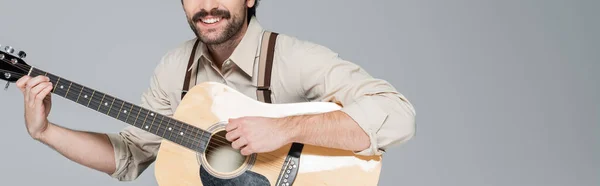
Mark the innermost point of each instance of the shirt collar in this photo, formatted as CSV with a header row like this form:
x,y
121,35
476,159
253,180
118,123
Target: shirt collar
x,y
245,53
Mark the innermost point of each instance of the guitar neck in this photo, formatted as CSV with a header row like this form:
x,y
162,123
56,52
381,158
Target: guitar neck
x,y
166,127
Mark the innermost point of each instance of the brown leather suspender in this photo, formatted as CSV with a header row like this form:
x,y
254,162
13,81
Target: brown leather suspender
x,y
190,80
265,65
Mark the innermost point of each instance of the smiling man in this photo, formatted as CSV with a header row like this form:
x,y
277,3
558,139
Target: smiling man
x,y
374,116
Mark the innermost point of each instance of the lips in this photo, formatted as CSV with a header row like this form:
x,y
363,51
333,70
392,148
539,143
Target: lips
x,y
211,18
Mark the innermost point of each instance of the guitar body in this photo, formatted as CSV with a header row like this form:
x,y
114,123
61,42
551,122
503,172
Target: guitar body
x,y
209,106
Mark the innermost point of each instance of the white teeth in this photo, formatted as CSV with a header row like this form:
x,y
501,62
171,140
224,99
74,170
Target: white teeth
x,y
211,20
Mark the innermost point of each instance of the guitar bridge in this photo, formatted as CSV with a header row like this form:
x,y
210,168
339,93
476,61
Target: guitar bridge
x,y
290,169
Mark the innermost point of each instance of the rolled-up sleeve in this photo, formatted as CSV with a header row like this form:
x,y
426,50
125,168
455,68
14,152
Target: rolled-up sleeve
x,y
136,149
379,109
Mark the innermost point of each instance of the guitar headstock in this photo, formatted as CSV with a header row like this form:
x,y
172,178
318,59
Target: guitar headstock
x,y
12,64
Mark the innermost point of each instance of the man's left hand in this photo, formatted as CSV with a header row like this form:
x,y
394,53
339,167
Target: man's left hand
x,y
258,134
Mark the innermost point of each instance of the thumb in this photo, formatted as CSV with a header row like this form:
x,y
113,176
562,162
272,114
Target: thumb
x,y
21,82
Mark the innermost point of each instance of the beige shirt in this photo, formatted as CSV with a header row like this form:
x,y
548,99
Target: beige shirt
x,y
302,72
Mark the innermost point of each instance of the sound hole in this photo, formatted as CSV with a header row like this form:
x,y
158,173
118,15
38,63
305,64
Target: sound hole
x,y
221,157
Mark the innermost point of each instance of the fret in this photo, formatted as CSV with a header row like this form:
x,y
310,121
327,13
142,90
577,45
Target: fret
x,y
175,132
170,130
56,84
156,126
111,106
108,104
181,133
68,88
100,103
132,119
196,137
136,118
122,111
160,128
202,143
153,119
166,125
193,141
91,97
144,122
116,107
184,134
167,128
130,109
201,140
187,142
79,95
159,124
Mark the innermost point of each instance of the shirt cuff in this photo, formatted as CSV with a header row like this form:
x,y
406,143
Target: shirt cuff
x,y
121,155
370,118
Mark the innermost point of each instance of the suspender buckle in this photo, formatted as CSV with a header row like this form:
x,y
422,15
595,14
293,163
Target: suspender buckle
x,y
264,88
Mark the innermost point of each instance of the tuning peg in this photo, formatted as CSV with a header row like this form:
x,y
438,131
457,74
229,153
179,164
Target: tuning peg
x,y
7,76
9,49
22,54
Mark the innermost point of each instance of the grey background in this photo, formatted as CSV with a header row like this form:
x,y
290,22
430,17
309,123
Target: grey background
x,y
505,91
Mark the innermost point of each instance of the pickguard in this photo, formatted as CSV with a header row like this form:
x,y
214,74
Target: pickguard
x,y
248,178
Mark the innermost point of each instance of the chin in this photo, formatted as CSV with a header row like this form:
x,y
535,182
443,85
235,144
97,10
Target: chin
x,y
212,38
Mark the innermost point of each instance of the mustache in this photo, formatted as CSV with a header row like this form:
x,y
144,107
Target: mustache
x,y
214,12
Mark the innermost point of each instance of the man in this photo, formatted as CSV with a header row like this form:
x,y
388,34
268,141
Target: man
x,y
374,115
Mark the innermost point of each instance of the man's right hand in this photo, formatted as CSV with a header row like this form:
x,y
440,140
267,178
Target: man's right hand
x,y
37,100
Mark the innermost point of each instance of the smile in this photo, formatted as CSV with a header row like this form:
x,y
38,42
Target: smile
x,y
210,20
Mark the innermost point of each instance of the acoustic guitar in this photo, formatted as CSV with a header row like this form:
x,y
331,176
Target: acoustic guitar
x,y
194,150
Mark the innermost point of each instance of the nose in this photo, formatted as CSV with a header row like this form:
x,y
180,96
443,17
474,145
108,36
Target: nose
x,y
210,4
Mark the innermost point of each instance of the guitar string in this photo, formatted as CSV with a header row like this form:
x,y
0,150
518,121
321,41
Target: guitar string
x,y
223,140
97,103
273,168
152,125
270,164
129,107
217,139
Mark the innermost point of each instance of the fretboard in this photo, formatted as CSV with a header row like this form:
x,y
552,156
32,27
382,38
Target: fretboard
x,y
166,127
